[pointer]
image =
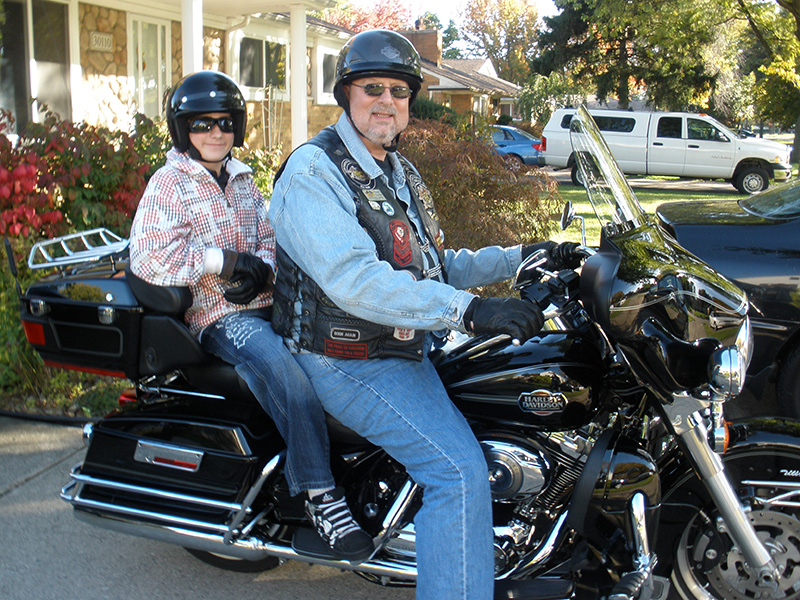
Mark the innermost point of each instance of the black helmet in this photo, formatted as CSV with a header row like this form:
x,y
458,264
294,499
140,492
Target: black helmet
x,y
377,53
204,92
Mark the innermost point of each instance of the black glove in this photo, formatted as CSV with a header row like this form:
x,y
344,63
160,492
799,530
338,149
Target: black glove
x,y
250,275
559,256
517,318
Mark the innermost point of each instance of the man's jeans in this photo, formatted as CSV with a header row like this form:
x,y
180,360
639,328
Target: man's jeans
x,y
246,340
401,405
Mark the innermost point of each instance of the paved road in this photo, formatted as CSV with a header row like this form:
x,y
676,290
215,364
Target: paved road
x,y
47,554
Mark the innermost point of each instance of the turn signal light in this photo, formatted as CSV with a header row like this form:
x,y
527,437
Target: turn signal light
x,y
34,333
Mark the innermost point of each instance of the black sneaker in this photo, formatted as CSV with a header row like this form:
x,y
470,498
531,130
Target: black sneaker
x,y
331,518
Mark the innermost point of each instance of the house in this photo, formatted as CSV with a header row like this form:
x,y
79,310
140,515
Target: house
x,y
468,86
103,61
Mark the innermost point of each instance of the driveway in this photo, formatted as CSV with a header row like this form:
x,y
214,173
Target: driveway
x,y
47,554
562,176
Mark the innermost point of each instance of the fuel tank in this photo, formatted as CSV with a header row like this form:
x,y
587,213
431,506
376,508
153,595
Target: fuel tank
x,y
549,382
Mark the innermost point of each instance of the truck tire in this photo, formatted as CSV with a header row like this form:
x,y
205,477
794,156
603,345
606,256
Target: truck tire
x,y
575,175
751,180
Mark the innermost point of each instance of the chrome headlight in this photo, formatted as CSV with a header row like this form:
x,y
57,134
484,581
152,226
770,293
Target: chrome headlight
x,y
727,368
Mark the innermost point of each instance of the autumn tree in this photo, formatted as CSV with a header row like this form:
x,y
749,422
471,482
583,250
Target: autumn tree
x,y
620,46
382,14
504,31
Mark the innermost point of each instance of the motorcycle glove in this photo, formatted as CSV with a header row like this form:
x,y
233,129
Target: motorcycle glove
x,y
517,318
250,275
559,256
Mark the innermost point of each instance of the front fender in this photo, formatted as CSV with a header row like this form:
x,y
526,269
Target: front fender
x,y
760,449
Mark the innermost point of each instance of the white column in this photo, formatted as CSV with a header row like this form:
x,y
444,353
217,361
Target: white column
x,y
298,74
192,35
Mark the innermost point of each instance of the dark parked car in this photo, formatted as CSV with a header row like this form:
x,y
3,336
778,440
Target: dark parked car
x,y
518,147
756,242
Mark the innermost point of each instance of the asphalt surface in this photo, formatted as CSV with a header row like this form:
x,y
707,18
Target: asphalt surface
x,y
47,554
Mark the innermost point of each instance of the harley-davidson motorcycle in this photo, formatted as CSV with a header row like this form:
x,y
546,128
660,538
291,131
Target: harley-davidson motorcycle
x,y
614,473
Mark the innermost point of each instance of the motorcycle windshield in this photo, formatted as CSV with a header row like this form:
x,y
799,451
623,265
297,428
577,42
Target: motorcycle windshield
x,y
612,198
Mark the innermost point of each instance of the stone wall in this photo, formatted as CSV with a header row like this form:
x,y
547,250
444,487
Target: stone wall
x,y
105,72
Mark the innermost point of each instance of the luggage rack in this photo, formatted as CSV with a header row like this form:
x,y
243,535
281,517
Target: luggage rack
x,y
75,248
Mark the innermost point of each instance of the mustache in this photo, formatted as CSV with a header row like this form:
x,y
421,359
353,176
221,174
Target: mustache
x,y
385,109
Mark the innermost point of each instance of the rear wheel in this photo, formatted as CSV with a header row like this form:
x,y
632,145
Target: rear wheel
x,y
513,162
751,180
575,175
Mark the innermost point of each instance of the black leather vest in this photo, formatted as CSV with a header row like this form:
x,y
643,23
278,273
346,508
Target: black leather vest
x,y
324,327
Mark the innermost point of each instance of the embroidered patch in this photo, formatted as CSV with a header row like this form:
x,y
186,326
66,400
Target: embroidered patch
x,y
349,335
422,191
403,334
353,172
345,350
402,242
388,208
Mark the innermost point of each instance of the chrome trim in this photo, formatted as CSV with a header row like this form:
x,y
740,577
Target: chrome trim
x,y
244,548
780,499
528,563
155,453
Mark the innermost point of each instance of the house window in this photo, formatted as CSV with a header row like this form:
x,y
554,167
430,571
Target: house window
x,y
150,48
46,76
262,63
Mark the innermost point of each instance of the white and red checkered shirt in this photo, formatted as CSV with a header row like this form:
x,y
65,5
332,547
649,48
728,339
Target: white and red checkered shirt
x,y
183,212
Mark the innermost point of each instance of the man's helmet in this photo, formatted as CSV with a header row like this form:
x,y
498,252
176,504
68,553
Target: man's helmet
x,y
200,93
379,53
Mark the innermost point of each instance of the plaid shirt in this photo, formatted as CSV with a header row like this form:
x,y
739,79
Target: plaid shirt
x,y
182,213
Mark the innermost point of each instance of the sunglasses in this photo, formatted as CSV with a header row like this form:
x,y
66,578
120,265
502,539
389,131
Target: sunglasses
x,y
376,90
206,124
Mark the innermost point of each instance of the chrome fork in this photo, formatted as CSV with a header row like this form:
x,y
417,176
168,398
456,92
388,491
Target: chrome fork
x,y
687,423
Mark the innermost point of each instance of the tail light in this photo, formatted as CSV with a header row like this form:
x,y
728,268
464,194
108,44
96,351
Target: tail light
x,y
538,146
543,144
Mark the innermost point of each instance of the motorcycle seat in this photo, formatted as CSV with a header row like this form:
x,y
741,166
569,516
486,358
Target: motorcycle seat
x,y
162,299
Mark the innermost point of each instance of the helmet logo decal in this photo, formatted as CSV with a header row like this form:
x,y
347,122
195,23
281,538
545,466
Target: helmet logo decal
x,y
390,52
354,173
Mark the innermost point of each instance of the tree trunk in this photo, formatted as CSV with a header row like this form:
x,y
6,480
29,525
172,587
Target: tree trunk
x,y
795,157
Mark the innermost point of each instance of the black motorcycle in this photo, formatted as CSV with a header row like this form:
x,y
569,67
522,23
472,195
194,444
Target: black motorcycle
x,y
613,471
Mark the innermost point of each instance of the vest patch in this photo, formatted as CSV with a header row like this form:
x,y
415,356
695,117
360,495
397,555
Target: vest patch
x,y
345,350
403,334
350,335
401,237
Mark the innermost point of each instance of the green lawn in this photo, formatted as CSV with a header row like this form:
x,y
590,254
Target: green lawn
x,y
649,199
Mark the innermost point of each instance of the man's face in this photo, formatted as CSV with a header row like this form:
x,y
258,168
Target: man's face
x,y
377,118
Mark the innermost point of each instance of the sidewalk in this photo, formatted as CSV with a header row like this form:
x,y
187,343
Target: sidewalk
x,y
47,554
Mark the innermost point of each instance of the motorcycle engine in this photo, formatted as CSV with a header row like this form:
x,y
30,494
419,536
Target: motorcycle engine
x,y
517,468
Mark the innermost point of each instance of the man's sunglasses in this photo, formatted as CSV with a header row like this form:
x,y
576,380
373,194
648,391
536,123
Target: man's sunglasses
x,y
376,90
206,124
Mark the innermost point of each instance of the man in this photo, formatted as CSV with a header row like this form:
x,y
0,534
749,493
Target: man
x,y
203,223
363,279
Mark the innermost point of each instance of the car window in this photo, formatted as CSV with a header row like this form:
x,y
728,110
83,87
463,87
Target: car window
x,y
498,135
701,130
669,127
780,202
615,124
521,133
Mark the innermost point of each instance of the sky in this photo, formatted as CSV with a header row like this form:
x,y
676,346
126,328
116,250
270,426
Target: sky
x,y
450,9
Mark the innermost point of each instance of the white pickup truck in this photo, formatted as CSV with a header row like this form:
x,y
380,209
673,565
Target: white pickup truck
x,y
691,145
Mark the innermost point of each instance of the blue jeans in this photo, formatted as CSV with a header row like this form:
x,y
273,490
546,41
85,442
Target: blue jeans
x,y
246,340
401,405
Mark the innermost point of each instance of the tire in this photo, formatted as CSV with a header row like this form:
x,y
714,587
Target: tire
x,y
705,563
575,175
513,162
751,180
237,565
787,386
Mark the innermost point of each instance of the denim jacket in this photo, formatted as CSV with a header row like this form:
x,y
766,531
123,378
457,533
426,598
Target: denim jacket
x,y
313,213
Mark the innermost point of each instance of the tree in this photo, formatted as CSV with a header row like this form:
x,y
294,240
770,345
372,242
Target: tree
x,y
505,31
450,37
620,46
383,14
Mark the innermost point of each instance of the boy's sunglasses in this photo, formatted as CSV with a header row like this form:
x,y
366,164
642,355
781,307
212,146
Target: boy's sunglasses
x,y
376,89
206,124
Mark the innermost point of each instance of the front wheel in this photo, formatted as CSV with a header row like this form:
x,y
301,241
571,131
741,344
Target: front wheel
x,y
705,562
751,180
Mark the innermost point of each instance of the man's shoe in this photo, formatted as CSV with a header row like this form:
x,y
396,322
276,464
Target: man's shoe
x,y
331,517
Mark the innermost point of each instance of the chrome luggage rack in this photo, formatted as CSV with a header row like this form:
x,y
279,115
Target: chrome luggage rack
x,y
75,248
